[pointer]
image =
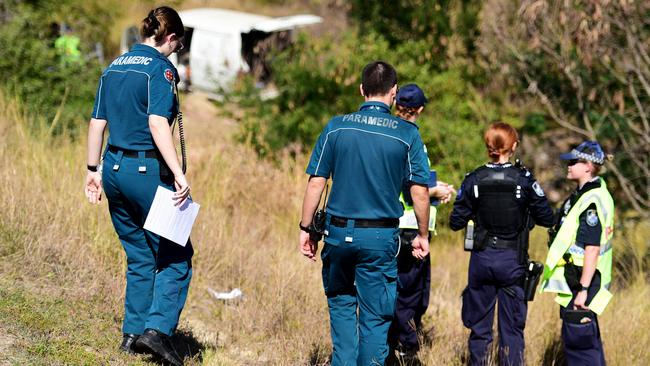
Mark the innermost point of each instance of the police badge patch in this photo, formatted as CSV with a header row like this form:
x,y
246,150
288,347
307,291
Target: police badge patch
x,y
592,218
538,190
169,75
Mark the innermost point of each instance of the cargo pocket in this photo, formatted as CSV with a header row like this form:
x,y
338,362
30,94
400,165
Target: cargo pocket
x,y
466,313
518,305
388,297
324,256
580,336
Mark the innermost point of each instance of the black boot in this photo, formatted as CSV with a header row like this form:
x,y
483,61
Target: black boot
x,y
128,342
157,344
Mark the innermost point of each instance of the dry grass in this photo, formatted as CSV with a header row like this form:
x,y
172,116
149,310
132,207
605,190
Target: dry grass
x,y
55,246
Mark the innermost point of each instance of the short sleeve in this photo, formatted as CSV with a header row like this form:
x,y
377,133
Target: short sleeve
x,y
539,207
162,99
320,163
417,168
590,228
99,108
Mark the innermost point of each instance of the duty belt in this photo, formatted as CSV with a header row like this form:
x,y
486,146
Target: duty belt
x,y
362,223
152,154
498,243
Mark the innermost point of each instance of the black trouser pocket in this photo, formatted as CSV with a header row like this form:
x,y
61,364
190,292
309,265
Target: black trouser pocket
x,y
580,336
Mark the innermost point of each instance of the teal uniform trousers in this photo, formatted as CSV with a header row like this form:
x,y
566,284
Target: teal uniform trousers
x,y
158,270
360,274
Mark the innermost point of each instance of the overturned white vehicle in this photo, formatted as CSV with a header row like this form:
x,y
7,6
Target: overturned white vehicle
x,y
220,44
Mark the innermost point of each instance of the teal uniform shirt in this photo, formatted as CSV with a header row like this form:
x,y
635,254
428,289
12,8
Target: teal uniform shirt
x,y
135,85
369,154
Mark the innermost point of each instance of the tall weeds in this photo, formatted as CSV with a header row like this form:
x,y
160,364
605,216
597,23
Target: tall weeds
x,y
53,243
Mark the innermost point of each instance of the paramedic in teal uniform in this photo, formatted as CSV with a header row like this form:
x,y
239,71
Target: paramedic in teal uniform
x,y
368,154
136,99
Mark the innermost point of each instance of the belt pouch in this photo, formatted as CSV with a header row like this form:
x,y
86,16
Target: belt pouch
x,y
118,160
349,231
142,164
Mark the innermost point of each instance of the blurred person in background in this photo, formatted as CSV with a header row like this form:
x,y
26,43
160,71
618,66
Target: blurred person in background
x,y
498,197
67,45
414,274
368,154
137,100
579,261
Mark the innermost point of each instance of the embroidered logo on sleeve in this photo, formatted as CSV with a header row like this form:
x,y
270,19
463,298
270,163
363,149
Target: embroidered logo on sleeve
x,y
169,75
592,218
538,189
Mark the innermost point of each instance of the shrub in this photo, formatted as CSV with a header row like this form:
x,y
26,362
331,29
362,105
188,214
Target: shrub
x,y
60,92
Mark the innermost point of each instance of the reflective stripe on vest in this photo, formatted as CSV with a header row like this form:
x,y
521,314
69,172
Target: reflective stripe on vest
x,y
564,242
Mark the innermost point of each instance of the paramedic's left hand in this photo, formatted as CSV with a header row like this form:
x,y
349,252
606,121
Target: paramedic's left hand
x,y
93,187
420,246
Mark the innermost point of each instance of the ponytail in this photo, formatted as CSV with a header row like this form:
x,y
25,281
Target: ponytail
x,y
500,139
160,22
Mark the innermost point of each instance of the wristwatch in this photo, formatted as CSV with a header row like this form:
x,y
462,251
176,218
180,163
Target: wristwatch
x,y
304,228
584,288
92,168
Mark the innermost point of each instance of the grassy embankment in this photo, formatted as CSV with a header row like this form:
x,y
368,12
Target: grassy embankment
x,y
61,267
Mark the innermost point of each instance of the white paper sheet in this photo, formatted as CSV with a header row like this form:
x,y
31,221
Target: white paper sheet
x,y
169,221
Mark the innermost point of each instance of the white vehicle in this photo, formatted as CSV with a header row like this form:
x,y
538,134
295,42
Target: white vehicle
x,y
219,44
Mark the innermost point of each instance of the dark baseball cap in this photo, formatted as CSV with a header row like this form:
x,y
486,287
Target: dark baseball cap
x,y
588,150
411,96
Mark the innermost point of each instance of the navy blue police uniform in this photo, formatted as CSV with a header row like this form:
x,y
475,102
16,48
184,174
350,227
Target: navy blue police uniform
x,y
136,85
498,198
582,347
368,154
414,275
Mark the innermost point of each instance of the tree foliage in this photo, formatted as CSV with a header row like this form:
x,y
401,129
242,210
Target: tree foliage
x,y
449,27
60,92
319,78
587,64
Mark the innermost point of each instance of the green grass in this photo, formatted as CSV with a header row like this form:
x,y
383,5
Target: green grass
x,y
55,330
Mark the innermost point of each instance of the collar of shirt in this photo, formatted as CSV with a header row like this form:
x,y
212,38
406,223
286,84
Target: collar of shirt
x,y
593,183
375,106
497,165
147,49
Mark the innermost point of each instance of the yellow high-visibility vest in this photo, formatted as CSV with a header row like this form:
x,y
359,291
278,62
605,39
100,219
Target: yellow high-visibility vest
x,y
408,219
565,242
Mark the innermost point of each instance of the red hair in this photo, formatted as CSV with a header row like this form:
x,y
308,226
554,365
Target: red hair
x,y
500,139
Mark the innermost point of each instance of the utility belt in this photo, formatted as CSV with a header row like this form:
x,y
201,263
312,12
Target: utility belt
x,y
498,243
363,223
479,239
150,154
142,154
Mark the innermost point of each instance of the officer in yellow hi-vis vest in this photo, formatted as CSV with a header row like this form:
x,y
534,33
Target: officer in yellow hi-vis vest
x,y
579,262
414,274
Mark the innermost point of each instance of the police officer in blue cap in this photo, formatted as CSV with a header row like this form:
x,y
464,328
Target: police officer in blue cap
x,y
579,262
414,274
368,154
498,197
137,100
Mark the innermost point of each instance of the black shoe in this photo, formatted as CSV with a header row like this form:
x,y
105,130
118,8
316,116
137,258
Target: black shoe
x,y
128,342
157,344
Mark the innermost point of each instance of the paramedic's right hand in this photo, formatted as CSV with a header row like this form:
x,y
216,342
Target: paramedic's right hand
x,y
420,246
182,190
93,187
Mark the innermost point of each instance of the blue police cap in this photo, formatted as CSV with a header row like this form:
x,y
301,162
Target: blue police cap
x,y
588,150
411,96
